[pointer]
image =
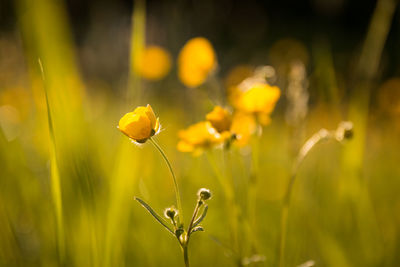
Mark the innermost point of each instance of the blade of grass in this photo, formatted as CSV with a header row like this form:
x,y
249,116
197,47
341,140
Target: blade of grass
x,y
353,186
55,177
138,39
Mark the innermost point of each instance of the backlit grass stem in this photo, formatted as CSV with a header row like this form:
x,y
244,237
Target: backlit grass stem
x,y
252,190
177,195
228,190
55,176
344,131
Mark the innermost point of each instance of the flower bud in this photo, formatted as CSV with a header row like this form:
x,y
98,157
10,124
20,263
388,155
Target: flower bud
x,y
344,131
170,213
204,194
140,124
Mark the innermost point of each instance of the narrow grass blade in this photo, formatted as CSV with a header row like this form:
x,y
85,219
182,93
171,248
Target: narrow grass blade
x,y
138,39
54,175
155,215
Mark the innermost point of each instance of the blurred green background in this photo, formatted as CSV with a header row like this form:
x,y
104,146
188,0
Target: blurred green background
x,y
66,191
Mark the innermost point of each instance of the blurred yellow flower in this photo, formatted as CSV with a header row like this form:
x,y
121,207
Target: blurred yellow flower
x,y
220,119
195,62
260,100
200,136
243,126
154,63
139,125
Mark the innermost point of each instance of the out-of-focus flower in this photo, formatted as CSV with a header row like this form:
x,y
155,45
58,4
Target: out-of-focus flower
x,y
260,100
220,128
220,119
243,126
235,77
200,136
154,63
243,77
139,125
195,62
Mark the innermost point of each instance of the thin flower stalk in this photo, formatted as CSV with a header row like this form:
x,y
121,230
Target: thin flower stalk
x,y
141,125
177,194
228,190
343,132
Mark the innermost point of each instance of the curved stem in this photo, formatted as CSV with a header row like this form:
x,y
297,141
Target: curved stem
x,y
177,195
227,187
319,136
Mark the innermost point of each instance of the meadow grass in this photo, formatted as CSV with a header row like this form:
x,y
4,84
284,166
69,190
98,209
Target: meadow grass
x,y
69,178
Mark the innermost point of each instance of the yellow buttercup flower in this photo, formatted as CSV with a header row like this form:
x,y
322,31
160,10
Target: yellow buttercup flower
x,y
139,125
199,136
260,99
243,126
154,63
220,119
195,62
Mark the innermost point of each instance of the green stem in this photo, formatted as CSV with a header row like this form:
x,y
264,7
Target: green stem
x,y
177,195
185,255
230,202
252,191
196,211
305,149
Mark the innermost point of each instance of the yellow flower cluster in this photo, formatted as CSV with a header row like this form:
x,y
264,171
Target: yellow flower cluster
x,y
253,101
199,136
140,124
259,100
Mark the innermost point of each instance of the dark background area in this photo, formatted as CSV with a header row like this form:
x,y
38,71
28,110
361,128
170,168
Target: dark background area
x,y
241,31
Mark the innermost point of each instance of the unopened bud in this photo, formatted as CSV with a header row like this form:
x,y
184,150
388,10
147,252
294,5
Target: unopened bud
x,y
204,194
170,213
344,131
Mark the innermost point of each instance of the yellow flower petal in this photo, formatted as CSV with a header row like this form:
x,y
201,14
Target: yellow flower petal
x,y
220,119
136,126
243,126
184,147
199,136
140,124
259,98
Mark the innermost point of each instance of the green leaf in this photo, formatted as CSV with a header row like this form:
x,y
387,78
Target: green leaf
x,y
155,215
196,229
201,218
